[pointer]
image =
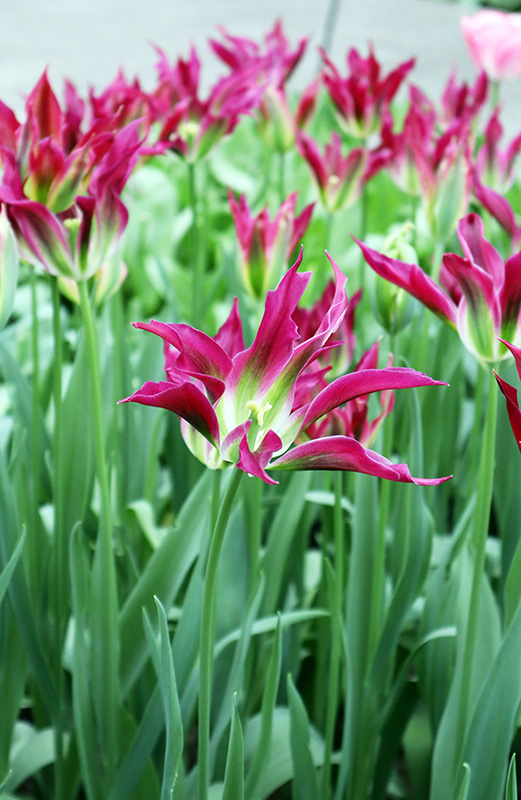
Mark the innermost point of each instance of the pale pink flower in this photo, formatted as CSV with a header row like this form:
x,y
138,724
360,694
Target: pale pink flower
x,y
494,40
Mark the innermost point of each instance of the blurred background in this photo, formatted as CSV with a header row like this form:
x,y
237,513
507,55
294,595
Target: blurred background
x,y
88,41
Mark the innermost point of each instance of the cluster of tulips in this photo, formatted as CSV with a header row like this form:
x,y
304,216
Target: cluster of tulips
x,y
391,183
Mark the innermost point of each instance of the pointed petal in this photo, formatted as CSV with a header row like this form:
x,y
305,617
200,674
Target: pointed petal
x,y
510,296
185,400
471,233
479,317
200,354
498,206
514,414
41,237
362,382
255,369
229,336
255,463
344,453
414,280
516,352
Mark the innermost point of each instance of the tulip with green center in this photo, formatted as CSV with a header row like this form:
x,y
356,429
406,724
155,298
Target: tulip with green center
x,y
237,404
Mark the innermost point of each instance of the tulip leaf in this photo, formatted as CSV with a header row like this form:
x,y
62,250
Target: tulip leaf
x,y
234,775
305,783
511,790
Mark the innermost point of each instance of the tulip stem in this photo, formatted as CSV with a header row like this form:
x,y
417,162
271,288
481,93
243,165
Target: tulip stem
x,y
60,543
104,592
206,646
336,633
479,542
196,249
35,428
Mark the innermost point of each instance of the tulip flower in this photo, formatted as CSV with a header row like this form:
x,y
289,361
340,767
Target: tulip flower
x,y
430,164
76,242
192,126
266,246
461,100
8,268
510,393
272,66
493,175
238,405
494,41
364,96
481,294
495,167
339,179
275,62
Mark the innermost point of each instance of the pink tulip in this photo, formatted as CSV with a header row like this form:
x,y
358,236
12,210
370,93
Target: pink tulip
x,y
481,294
240,406
266,246
494,40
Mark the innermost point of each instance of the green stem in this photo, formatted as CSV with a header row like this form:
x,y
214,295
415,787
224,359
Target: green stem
x,y
35,429
60,540
104,592
375,613
196,249
282,177
336,633
479,542
364,214
207,633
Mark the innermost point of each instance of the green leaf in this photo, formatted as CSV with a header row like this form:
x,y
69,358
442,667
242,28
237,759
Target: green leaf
x,y
305,783
234,775
174,728
5,575
499,700
236,671
279,768
511,790
85,728
77,456
464,789
163,576
31,751
269,698
281,537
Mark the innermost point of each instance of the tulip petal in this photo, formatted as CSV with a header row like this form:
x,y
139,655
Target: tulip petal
x,y
185,400
514,413
255,369
360,383
471,233
199,355
414,280
344,453
255,463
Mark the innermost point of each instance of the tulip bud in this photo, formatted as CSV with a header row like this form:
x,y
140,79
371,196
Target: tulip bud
x,y
276,124
8,268
392,306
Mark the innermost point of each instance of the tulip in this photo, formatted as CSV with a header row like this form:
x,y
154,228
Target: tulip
x,y
8,268
494,41
364,96
266,246
339,179
238,405
75,243
429,164
481,294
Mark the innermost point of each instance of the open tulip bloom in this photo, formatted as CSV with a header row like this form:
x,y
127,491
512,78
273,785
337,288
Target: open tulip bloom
x,y
481,294
238,405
